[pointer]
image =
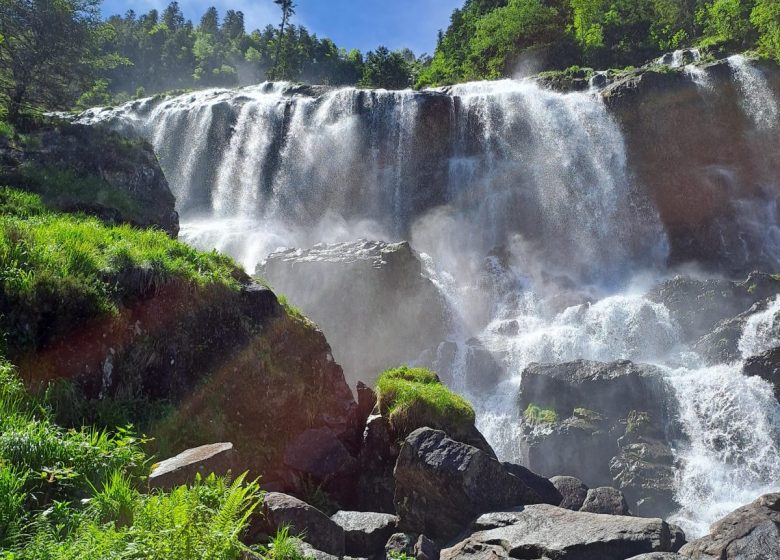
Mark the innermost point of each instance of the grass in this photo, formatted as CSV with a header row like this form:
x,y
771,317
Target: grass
x,y
73,494
56,270
539,415
6,130
414,397
283,546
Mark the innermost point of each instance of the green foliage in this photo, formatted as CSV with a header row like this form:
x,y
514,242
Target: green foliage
x,y
727,23
395,555
6,129
57,270
415,397
538,414
283,546
389,70
290,309
766,18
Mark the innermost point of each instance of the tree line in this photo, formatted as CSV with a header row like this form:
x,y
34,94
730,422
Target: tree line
x,y
495,38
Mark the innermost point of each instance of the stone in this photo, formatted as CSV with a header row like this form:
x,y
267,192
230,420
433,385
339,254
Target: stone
x,y
217,458
378,454
545,531
316,528
366,398
543,487
260,303
412,544
766,366
318,453
606,500
365,533
751,532
572,490
442,485
659,556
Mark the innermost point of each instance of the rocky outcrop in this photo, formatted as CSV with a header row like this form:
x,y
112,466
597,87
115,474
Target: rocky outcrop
x,y
544,531
608,427
365,533
752,532
77,168
372,300
700,159
766,366
442,485
319,531
216,458
416,546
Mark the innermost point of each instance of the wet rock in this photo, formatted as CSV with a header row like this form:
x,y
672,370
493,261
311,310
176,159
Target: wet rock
x,y
751,532
543,487
414,545
482,370
320,454
378,454
659,556
544,531
766,366
572,490
318,530
606,500
344,287
365,533
441,485
217,458
366,398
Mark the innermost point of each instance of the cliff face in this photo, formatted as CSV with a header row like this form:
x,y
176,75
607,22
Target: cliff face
x,y
705,157
77,168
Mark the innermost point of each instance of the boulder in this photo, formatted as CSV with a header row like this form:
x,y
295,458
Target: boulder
x,y
766,366
365,533
572,490
217,458
607,500
544,531
366,398
442,485
378,454
751,532
659,556
319,454
412,544
344,287
313,526
543,487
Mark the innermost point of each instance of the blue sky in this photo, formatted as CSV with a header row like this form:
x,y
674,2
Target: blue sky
x,y
362,24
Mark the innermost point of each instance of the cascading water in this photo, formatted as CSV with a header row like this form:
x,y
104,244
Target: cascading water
x,y
543,177
757,99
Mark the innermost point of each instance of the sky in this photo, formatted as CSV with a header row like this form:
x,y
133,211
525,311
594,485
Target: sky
x,y
361,24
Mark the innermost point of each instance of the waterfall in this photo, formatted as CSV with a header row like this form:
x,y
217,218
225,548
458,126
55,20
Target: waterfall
x,y
757,99
466,173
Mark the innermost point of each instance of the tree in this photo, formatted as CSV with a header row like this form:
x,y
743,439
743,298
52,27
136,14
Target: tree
x,y
288,10
49,52
766,18
385,69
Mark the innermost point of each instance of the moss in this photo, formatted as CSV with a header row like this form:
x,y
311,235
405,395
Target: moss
x,y
414,397
292,310
537,414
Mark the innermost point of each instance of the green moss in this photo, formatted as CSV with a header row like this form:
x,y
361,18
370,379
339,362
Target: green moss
x,y
292,310
57,270
414,397
535,413
6,130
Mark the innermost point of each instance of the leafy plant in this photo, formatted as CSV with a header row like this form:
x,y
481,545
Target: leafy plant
x,y
537,414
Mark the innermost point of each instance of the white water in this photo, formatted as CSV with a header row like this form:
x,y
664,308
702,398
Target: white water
x,y
679,58
757,100
541,174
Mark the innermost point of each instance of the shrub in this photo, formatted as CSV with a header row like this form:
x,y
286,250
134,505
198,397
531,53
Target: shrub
x,y
414,397
282,546
537,414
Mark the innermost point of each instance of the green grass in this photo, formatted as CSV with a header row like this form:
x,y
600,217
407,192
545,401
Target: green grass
x,y
57,270
414,397
282,546
6,130
537,414
74,494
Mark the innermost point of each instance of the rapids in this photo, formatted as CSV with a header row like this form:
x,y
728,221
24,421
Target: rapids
x,y
459,172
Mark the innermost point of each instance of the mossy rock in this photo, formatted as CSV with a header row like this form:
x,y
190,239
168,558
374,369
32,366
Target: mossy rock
x,y
412,398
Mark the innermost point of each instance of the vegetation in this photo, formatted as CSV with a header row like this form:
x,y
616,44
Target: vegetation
x,y
59,269
495,38
414,397
540,415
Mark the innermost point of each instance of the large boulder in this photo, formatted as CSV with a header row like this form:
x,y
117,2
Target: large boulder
x,y
313,526
572,490
77,168
372,299
216,458
605,500
442,485
413,545
378,454
365,533
544,531
751,532
766,366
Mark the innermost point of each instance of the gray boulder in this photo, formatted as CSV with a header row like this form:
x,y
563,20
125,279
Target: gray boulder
x,y
365,533
658,556
751,532
544,531
313,526
412,544
605,500
572,490
217,458
442,485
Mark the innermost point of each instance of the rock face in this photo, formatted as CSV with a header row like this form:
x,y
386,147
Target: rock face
x,y
701,159
609,430
217,458
371,299
766,366
607,500
90,169
544,531
417,546
442,485
280,510
751,532
365,533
